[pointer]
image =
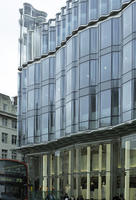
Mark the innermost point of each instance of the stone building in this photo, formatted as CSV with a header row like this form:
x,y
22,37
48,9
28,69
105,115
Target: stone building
x,y
8,127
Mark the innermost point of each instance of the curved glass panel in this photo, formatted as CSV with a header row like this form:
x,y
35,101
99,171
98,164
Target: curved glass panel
x,y
45,69
74,17
69,52
105,34
127,57
127,21
31,130
106,67
83,15
93,10
84,74
84,43
31,75
104,7
52,40
44,123
44,41
84,107
115,5
94,40
127,96
106,103
116,31
45,95
31,100
68,114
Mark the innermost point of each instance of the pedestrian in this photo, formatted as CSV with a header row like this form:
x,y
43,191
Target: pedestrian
x,y
66,197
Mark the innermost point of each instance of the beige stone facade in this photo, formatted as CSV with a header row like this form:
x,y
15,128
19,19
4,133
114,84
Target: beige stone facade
x,y
8,128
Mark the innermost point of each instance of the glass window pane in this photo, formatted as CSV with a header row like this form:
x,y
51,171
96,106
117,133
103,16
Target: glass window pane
x,y
115,65
45,95
93,107
31,74
37,97
115,4
45,69
52,40
106,35
94,40
52,68
84,74
116,31
84,43
45,124
93,71
74,49
84,108
103,7
106,67
93,9
127,57
69,52
83,13
31,100
57,89
31,127
68,114
37,72
106,103
68,75
127,21
115,101
127,96
57,119
52,93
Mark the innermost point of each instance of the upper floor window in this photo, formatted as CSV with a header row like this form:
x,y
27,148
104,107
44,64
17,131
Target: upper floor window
x,y
14,124
105,35
84,43
4,137
4,121
14,139
5,107
14,155
4,153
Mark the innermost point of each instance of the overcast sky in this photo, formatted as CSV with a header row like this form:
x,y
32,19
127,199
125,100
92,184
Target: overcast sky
x,y
9,34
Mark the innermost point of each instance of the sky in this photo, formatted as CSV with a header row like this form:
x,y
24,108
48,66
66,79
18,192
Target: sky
x,y
9,34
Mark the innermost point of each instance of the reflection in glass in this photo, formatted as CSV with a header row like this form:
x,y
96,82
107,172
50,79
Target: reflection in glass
x,y
93,9
106,67
84,74
84,43
106,103
127,96
31,100
127,21
84,107
127,57
105,35
45,95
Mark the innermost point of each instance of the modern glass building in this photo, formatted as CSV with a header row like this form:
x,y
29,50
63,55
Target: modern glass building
x,y
77,97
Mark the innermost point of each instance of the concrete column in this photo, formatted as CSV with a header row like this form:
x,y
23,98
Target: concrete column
x,y
99,176
69,171
88,171
77,170
58,173
50,172
108,170
127,167
45,173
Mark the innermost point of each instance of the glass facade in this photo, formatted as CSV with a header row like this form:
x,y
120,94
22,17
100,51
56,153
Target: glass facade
x,y
77,76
